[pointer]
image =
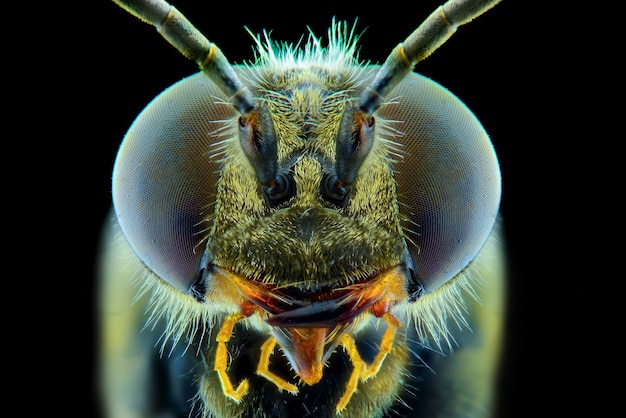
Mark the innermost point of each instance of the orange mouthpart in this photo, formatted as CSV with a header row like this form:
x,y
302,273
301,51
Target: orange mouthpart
x,y
308,326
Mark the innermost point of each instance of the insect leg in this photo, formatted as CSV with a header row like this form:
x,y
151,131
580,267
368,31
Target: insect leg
x,y
362,371
221,359
263,367
385,347
359,367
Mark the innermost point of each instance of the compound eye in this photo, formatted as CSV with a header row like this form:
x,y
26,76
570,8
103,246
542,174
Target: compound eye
x,y
164,179
448,180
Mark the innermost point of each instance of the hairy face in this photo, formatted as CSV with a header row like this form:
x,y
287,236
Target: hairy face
x,y
288,206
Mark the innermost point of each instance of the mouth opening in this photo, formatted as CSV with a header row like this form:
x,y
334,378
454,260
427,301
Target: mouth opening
x,y
291,307
309,325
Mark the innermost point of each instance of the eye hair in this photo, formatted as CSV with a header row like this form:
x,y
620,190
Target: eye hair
x,y
181,314
391,150
433,313
229,142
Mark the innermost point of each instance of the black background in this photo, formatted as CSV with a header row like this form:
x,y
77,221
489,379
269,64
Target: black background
x,y
128,63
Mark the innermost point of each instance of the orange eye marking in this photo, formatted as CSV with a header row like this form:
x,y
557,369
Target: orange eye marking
x,y
221,359
263,367
362,371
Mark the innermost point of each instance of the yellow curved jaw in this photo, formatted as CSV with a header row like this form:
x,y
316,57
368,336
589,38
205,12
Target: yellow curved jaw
x,y
309,333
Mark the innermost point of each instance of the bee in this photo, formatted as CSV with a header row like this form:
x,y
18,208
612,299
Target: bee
x,y
304,235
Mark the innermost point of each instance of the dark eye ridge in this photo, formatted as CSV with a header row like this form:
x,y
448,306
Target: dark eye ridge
x,y
334,190
280,189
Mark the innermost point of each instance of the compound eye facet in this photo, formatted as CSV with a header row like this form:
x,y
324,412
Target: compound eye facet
x,y
448,180
164,179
